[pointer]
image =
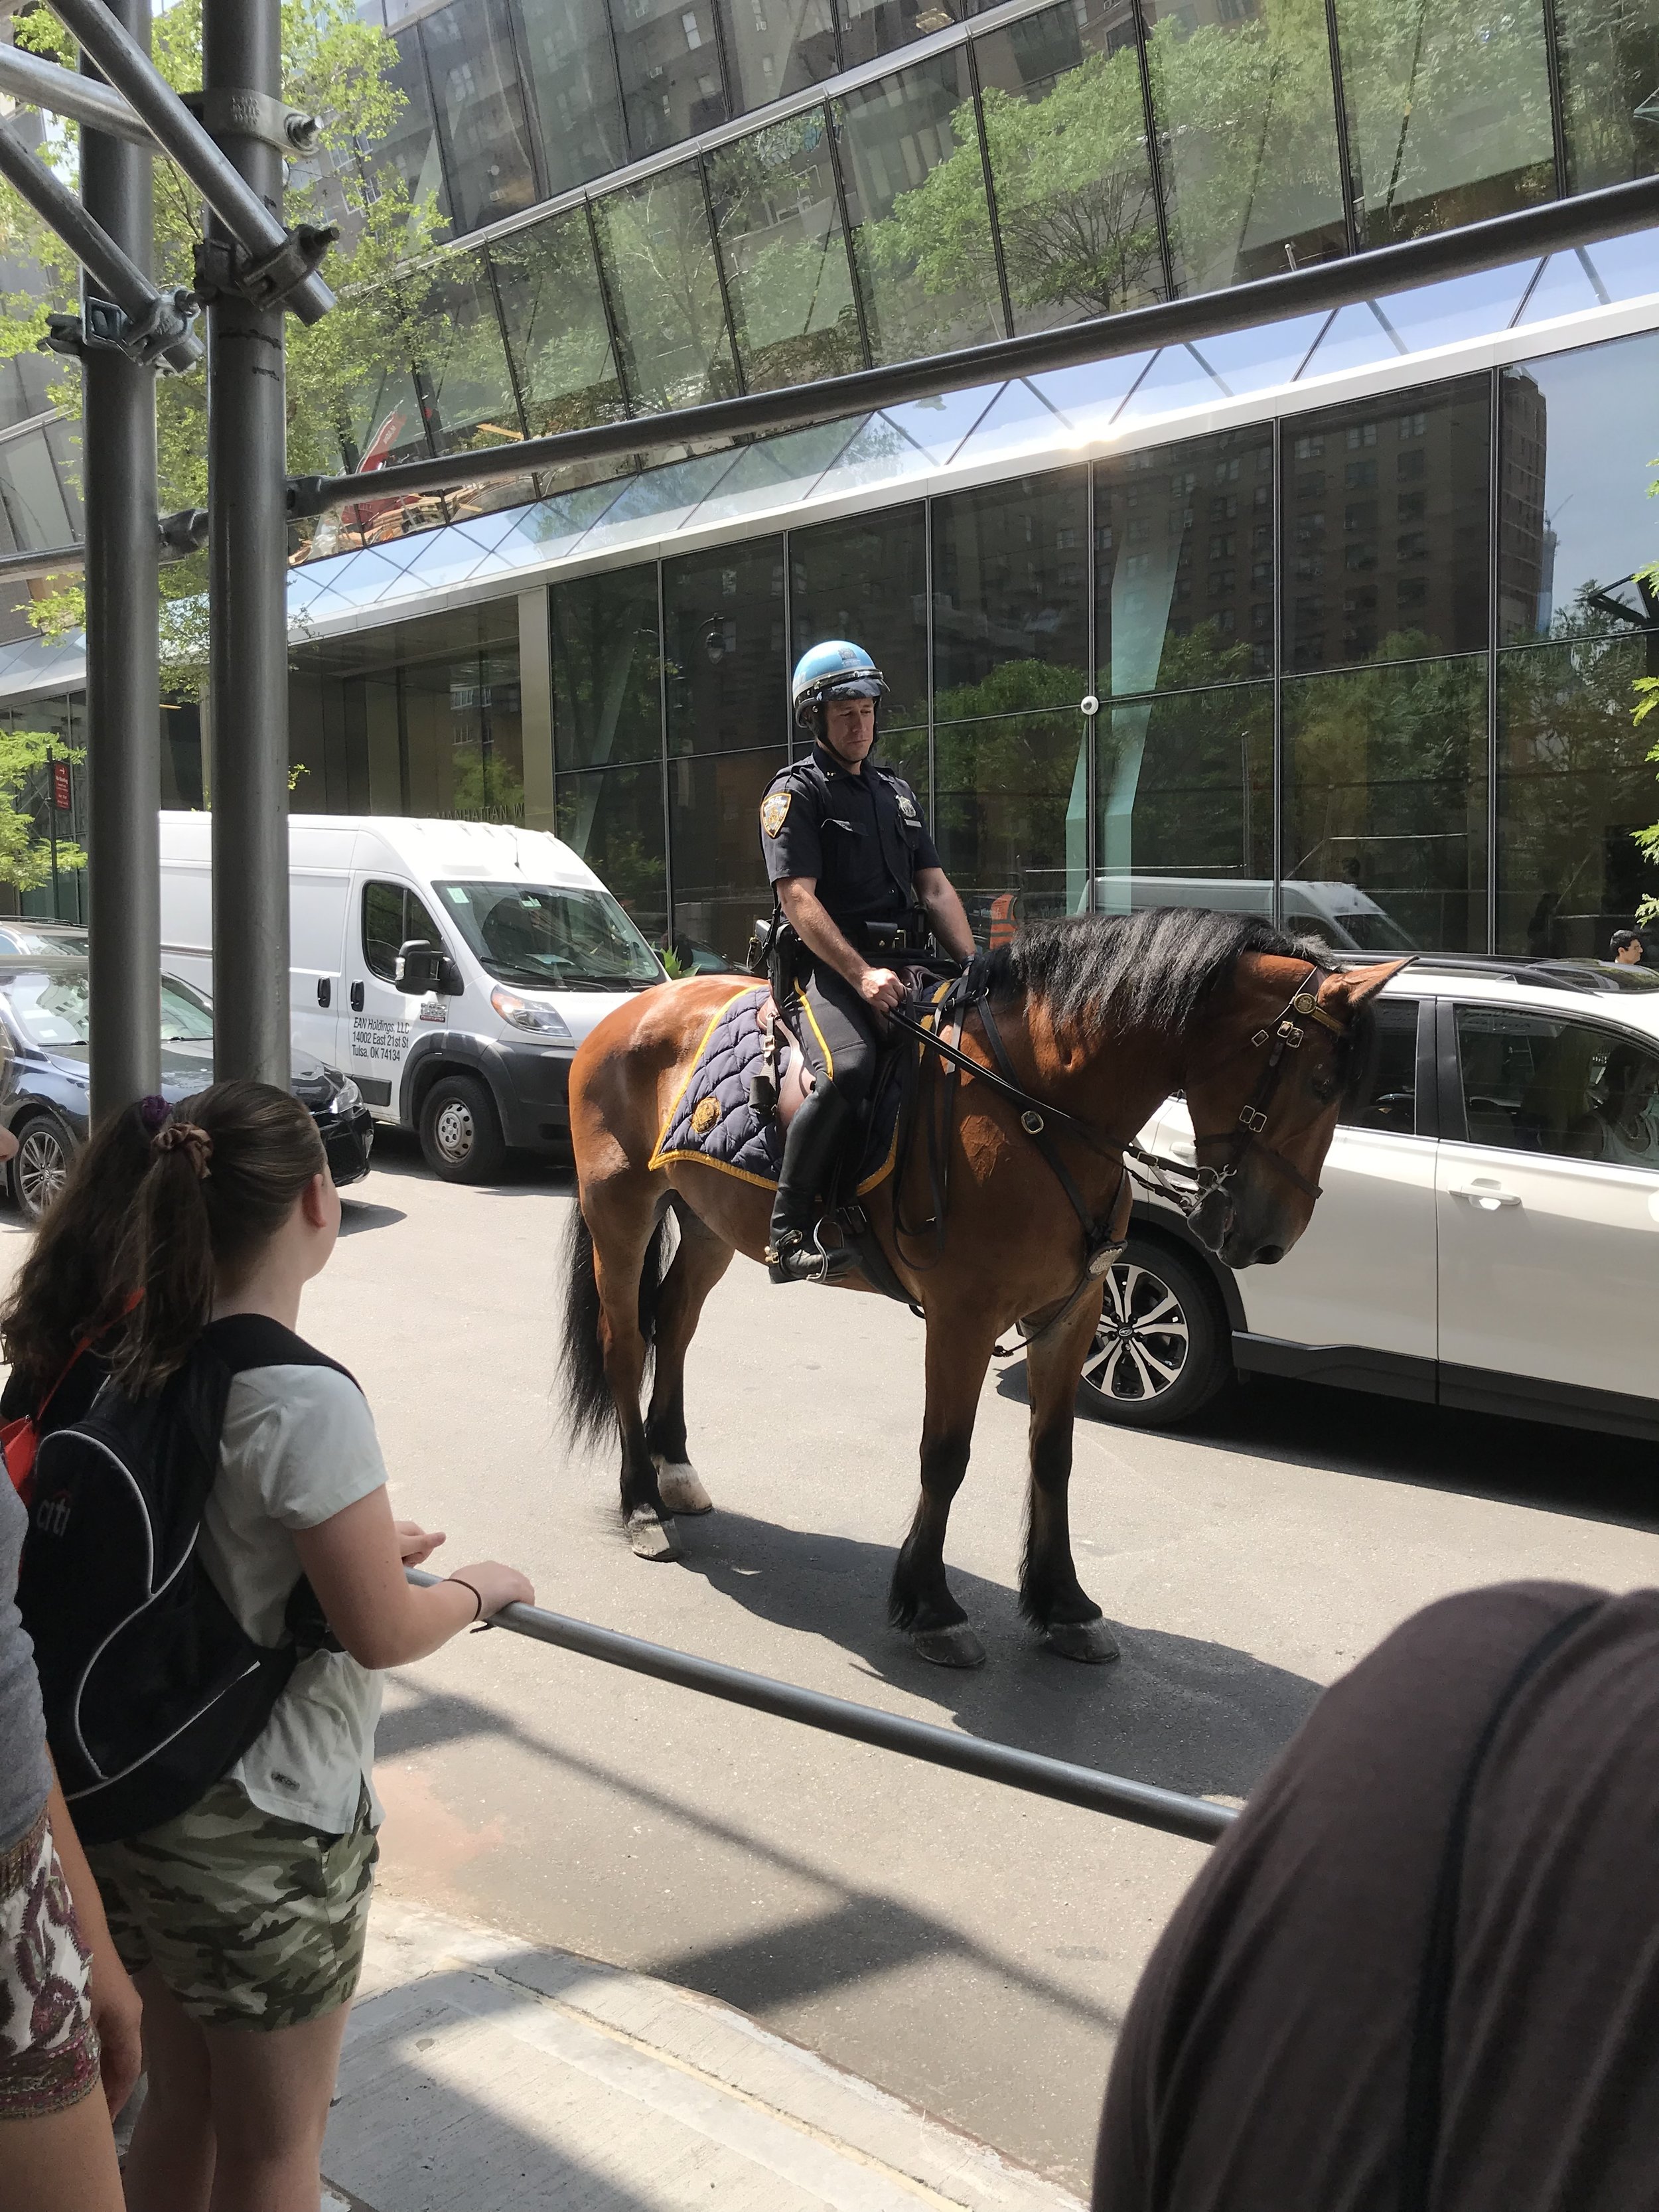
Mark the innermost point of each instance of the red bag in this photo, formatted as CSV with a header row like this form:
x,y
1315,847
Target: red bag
x,y
21,1439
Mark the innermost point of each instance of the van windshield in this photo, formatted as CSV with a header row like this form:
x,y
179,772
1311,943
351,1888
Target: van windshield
x,y
549,938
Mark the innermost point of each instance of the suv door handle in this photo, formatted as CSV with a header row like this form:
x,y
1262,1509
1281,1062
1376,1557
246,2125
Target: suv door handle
x,y
1487,1195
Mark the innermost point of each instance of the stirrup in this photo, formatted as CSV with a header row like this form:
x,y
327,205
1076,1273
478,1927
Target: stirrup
x,y
800,1256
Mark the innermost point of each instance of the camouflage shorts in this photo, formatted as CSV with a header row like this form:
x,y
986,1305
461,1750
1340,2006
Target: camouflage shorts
x,y
249,1920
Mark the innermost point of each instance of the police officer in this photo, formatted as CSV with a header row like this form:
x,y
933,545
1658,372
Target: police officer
x,y
846,847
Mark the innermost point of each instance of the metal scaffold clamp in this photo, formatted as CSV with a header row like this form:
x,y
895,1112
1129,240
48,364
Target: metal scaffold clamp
x,y
160,337
225,271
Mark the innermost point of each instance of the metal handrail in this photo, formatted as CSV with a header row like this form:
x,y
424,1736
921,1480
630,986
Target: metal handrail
x,y
1147,1806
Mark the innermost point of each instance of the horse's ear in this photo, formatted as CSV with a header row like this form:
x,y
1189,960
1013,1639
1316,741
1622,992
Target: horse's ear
x,y
1354,985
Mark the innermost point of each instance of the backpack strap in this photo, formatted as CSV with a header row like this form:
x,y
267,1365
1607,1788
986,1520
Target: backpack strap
x,y
246,1340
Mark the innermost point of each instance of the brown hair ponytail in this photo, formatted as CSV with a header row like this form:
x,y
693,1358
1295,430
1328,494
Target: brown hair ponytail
x,y
223,1173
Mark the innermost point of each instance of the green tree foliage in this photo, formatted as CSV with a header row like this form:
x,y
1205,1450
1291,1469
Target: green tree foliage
x,y
338,69
25,855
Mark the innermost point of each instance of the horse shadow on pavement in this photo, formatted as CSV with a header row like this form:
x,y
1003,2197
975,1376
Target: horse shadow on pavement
x,y
1178,1711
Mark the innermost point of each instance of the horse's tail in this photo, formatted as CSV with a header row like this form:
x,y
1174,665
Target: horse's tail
x,y
586,1390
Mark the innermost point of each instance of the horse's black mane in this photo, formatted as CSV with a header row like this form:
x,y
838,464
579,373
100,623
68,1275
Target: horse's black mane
x,y
1153,970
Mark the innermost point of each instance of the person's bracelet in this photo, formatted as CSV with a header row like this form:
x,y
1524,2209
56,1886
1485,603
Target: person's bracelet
x,y
477,1595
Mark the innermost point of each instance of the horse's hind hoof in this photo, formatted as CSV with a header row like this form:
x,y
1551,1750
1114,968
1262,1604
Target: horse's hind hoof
x,y
949,1647
680,1488
1090,1641
649,1538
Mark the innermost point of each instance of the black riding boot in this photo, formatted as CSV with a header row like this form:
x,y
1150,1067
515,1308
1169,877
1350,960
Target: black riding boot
x,y
810,1152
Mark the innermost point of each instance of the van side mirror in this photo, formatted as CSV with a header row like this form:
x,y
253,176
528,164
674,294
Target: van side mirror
x,y
421,968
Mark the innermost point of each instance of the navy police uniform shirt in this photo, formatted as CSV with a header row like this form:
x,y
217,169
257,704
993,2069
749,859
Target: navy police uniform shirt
x,y
861,838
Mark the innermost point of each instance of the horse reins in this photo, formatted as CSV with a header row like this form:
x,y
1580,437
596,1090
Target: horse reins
x,y
971,993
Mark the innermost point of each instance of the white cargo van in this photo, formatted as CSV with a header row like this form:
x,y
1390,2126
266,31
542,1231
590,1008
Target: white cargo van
x,y
451,967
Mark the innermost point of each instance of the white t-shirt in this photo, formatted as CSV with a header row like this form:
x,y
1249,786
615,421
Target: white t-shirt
x,y
298,1446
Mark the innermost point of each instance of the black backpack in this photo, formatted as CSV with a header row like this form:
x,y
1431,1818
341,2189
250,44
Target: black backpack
x,y
152,1688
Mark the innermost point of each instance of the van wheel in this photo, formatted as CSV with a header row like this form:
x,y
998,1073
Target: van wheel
x,y
1163,1348
461,1130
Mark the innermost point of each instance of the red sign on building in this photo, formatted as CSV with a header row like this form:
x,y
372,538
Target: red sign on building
x,y
60,786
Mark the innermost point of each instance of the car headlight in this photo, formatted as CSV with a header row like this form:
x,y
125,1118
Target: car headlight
x,y
347,1098
541,1020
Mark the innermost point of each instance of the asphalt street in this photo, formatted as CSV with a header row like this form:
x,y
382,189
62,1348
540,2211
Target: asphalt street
x,y
967,1946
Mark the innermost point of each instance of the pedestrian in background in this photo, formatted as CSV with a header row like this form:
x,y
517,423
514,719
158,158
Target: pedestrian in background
x,y
69,2015
1422,1968
243,1919
1626,948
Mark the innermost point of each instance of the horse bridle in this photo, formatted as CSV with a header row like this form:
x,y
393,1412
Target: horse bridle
x,y
1285,1034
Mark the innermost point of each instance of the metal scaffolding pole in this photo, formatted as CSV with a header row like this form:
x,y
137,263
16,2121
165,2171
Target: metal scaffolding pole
x,y
247,543
124,714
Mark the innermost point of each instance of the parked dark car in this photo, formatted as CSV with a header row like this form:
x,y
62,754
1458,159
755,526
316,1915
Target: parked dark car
x,y
43,1077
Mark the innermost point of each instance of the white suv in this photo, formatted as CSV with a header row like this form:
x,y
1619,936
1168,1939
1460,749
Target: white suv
x,y
1489,1231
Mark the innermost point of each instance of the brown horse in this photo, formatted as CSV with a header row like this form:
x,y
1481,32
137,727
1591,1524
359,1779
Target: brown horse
x,y
1102,1018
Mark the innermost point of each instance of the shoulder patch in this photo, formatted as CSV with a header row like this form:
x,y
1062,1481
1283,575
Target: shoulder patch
x,y
775,809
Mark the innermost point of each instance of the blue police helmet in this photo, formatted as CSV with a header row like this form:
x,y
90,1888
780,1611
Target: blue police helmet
x,y
834,670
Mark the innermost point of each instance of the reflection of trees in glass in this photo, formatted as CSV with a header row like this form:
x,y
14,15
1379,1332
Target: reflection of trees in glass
x,y
614,821
1248,126
1186,785
665,288
1610,89
606,670
1449,112
781,239
1571,785
555,327
1010,812
1385,782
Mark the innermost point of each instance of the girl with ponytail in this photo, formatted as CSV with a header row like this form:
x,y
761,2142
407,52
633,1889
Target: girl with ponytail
x,y
242,1921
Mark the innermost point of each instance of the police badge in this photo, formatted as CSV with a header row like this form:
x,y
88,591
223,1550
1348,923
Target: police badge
x,y
774,808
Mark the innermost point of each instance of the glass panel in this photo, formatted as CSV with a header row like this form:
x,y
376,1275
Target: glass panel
x,y
1609,53
613,821
719,880
1183,562
470,401
572,72
1460,308
1018,420
781,236
1391,1102
775,472
1009,597
1385,795
1090,398
1355,337
877,452
1385,528
940,423
1565,289
1247,132
1066,130
1579,441
669,54
1627,268
481,111
410,146
778,46
607,703
1448,120
868,581
555,327
1177,382
1573,783
921,226
724,649
1255,359
1534,1084
31,494
664,290
1186,799
870,28
1011,817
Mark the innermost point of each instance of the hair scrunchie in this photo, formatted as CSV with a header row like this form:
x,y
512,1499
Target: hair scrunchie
x,y
186,1137
153,1112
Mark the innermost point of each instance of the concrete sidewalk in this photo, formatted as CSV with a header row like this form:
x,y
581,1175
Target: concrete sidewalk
x,y
483,2073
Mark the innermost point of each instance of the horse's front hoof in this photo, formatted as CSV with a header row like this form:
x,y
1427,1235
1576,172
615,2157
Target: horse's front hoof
x,y
649,1538
1090,1641
949,1647
680,1488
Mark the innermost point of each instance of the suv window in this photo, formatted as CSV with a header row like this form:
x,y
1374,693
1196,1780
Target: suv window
x,y
391,915
1393,1101
1536,1083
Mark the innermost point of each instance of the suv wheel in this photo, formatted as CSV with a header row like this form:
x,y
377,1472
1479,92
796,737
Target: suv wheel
x,y
1162,1349
461,1130
39,1171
